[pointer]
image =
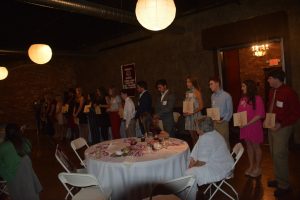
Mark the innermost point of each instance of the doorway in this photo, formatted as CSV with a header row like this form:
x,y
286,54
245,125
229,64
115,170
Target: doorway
x,y
240,63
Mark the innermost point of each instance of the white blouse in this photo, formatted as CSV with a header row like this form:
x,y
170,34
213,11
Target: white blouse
x,y
212,149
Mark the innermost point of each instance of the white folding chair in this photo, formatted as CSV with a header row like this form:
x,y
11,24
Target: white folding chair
x,y
3,188
175,186
90,187
237,153
64,161
176,116
78,144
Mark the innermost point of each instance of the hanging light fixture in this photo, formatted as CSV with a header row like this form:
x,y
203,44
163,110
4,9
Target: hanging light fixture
x,y
3,73
155,15
40,53
260,50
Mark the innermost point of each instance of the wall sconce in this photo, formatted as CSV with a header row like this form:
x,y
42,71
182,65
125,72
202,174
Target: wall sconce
x,y
155,15
40,53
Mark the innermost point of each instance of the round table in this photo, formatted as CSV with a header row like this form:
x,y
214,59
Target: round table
x,y
132,175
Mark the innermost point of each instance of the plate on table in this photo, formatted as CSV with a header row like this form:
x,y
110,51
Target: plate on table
x,y
118,154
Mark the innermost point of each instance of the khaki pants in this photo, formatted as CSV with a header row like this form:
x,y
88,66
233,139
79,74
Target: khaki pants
x,y
130,130
223,129
279,142
145,122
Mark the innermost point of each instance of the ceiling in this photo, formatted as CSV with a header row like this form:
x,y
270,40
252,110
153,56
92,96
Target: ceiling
x,y
23,23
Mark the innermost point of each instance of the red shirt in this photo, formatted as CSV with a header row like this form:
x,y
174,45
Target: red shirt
x,y
286,105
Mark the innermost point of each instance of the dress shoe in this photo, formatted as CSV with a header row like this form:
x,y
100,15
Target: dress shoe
x,y
281,191
273,183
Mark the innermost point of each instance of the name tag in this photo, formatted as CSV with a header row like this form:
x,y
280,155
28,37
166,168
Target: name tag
x,y
213,103
164,103
279,104
243,103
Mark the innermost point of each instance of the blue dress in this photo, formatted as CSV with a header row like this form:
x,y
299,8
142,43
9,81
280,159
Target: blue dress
x,y
190,120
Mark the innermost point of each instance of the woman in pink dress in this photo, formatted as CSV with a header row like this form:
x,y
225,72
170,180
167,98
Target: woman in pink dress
x,y
252,132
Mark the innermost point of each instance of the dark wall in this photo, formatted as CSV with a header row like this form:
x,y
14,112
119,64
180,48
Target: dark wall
x,y
162,56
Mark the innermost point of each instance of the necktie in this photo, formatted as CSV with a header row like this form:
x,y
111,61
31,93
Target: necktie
x,y
272,102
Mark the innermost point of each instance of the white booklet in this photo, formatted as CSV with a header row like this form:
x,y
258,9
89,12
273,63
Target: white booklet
x,y
121,112
98,110
188,106
240,118
213,113
65,108
270,120
87,108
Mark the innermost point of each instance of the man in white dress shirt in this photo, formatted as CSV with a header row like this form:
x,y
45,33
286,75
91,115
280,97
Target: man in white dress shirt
x,y
222,100
129,114
210,158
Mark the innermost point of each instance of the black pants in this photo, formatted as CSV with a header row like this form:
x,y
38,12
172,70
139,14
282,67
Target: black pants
x,y
104,132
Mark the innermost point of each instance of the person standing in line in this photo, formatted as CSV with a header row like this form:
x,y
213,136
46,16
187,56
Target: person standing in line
x,y
193,94
79,116
252,132
115,104
128,114
92,119
165,105
37,107
144,107
72,128
50,115
284,102
59,123
222,100
102,100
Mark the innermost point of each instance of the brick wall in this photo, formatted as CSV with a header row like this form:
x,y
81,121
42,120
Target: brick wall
x,y
26,82
252,67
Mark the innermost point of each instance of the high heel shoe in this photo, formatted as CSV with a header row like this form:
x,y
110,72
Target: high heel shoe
x,y
248,172
256,173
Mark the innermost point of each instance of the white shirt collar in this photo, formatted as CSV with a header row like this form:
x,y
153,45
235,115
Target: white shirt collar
x,y
142,93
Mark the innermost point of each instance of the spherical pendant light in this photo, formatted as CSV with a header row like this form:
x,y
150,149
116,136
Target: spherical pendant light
x,y
40,53
155,15
3,73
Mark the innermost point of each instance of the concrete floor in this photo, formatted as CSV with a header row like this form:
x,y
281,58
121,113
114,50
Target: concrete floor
x,y
47,168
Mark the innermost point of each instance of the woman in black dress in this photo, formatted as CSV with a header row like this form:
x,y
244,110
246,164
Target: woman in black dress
x,y
79,117
101,100
93,119
70,103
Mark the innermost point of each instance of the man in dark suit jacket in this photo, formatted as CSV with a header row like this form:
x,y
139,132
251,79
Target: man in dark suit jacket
x,y
165,105
144,107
